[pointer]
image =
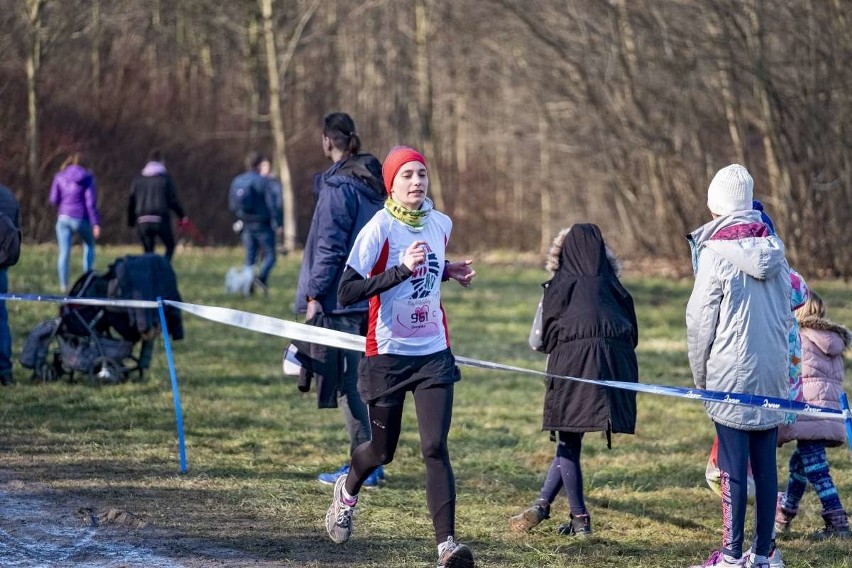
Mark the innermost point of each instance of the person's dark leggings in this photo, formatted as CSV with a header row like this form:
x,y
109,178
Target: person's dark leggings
x,y
736,449
568,453
148,233
552,484
354,410
434,406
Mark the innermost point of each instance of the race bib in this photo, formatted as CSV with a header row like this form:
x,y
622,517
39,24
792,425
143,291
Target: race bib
x,y
416,318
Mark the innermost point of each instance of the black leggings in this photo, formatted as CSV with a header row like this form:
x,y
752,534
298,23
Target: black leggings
x,y
434,406
568,461
148,233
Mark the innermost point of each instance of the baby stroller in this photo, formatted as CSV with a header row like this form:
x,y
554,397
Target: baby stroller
x,y
100,341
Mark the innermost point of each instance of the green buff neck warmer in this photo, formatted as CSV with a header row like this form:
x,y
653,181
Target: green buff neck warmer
x,y
414,220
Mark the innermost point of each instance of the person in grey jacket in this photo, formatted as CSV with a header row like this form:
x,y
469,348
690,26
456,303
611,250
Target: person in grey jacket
x,y
737,320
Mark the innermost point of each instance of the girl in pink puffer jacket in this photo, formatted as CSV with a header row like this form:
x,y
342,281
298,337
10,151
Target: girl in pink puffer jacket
x,y
823,343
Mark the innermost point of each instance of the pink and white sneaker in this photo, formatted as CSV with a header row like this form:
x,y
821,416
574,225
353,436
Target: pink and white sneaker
x,y
717,559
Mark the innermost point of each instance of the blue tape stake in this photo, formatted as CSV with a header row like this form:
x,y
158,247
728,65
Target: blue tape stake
x,y
844,403
175,392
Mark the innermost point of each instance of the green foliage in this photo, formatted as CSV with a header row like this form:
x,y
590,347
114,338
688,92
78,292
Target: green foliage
x,y
255,444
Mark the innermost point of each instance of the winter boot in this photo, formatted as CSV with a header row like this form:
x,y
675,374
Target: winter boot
x,y
836,526
577,525
783,516
528,518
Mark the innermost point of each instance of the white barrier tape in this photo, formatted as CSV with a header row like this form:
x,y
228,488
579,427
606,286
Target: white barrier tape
x,y
312,334
80,301
274,326
332,338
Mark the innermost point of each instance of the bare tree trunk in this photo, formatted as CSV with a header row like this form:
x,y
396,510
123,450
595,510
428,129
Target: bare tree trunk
x,y
35,9
278,126
96,53
253,54
276,115
732,112
545,208
425,104
779,175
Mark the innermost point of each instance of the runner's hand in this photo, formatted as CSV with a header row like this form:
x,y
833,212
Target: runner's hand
x,y
461,271
415,255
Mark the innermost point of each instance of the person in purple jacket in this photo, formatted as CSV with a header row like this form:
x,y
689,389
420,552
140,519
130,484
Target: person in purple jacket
x,y
74,195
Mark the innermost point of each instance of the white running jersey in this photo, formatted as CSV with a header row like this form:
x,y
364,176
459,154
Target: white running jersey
x,y
408,319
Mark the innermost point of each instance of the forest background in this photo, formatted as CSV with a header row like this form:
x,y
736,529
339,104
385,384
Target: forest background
x,y
533,114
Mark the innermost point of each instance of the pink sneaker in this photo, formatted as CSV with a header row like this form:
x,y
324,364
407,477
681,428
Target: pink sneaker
x,y
718,560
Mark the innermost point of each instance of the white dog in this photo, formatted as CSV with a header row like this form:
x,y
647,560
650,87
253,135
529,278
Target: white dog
x,y
239,280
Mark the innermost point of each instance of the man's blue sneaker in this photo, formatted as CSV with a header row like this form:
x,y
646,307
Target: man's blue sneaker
x,y
331,478
375,478
372,481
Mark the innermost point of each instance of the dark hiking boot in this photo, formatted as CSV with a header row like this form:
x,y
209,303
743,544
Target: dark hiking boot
x,y
577,525
260,285
527,519
836,526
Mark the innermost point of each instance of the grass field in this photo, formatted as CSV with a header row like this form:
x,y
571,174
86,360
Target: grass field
x,y
255,444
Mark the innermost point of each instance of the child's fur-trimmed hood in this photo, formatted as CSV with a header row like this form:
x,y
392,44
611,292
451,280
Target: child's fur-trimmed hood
x,y
552,263
821,324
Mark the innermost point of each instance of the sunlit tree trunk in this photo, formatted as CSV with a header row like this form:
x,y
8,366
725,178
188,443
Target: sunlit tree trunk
x,y
275,113
277,121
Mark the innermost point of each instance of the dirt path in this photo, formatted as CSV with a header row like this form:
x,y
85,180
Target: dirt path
x,y
40,527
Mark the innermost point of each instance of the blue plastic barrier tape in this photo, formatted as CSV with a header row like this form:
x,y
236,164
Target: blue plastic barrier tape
x,y
332,338
300,331
175,391
767,402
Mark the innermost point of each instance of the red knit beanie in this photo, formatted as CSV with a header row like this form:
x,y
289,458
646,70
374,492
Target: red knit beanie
x,y
398,157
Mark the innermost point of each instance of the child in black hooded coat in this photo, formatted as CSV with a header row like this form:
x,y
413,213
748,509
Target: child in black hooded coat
x,y
588,328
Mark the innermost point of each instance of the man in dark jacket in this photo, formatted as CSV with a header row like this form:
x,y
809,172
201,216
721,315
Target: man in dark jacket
x,y
9,207
348,195
255,199
152,197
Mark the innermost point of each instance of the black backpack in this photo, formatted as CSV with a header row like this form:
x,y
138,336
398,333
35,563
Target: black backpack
x,y
246,199
10,241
